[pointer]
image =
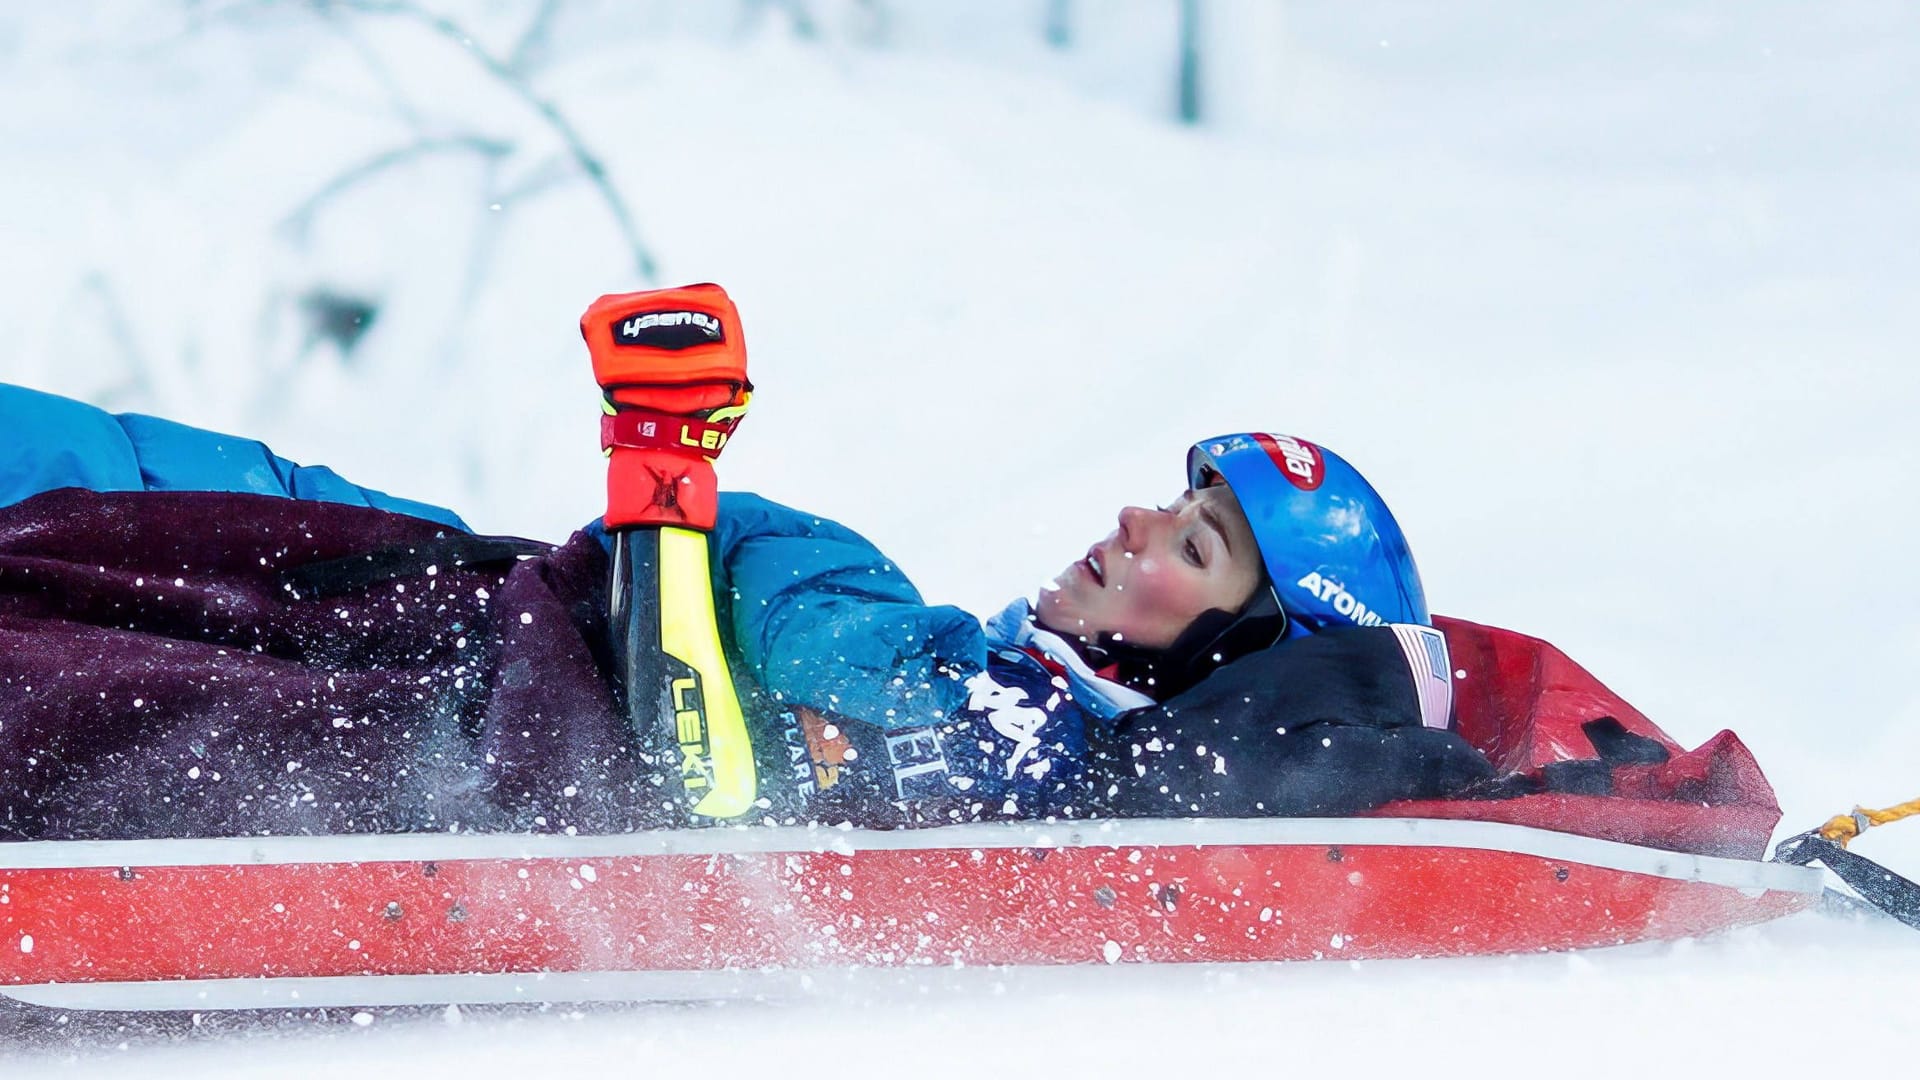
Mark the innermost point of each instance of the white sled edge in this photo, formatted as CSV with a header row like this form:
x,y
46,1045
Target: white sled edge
x,y
1741,874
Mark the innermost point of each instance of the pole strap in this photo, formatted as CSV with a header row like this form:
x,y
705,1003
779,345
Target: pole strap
x,y
644,429
1877,885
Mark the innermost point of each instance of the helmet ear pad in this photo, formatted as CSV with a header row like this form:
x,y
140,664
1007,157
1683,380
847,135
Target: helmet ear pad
x,y
1215,638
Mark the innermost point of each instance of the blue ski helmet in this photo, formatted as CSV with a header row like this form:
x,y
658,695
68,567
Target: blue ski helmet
x,y
1334,555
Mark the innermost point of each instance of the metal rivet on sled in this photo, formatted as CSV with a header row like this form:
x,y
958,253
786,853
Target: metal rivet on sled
x,y
430,869
1334,855
393,911
456,913
1105,896
1560,873
125,873
1169,896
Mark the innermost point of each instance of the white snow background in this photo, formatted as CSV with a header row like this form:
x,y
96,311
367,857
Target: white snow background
x,y
1606,299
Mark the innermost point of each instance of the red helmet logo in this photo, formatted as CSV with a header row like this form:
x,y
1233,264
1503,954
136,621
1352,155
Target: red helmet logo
x,y
1299,461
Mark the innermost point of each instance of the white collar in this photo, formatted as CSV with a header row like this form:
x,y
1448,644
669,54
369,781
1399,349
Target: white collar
x,y
1015,626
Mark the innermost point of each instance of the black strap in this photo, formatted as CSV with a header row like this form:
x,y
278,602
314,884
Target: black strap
x,y
1617,748
1877,885
334,577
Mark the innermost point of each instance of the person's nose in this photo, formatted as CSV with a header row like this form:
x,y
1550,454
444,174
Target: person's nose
x,y
1136,524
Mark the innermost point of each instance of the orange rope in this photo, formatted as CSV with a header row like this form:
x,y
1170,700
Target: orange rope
x,y
1845,827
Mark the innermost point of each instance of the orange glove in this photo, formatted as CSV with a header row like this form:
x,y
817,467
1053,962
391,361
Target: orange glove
x,y
672,364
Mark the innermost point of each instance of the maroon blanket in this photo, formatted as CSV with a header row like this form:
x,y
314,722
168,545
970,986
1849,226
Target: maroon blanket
x,y
157,678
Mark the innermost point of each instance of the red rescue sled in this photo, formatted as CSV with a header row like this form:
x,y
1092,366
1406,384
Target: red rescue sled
x,y
1671,849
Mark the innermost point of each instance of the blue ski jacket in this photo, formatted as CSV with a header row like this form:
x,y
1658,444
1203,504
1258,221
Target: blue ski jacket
x,y
49,442
877,695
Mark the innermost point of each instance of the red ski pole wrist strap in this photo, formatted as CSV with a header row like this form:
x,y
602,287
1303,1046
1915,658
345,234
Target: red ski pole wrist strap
x,y
644,429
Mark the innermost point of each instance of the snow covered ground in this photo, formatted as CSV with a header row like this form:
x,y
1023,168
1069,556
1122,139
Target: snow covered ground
x,y
1808,998
1607,301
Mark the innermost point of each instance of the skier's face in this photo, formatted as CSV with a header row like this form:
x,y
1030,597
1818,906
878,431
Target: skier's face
x,y
1158,572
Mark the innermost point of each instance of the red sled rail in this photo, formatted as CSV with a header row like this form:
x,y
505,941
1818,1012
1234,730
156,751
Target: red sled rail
x,y
415,919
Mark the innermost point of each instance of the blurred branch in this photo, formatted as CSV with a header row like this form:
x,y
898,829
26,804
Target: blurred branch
x,y
799,19
873,24
381,73
537,179
300,219
339,318
1190,61
243,12
486,243
1059,30
136,389
516,81
532,46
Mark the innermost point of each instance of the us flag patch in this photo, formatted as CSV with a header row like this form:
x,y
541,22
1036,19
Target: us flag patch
x,y
1432,670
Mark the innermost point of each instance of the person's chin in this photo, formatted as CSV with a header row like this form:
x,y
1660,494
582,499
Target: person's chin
x,y
1052,608
1054,611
